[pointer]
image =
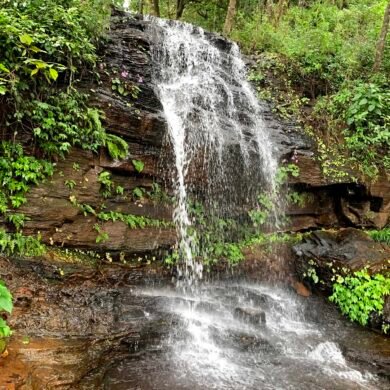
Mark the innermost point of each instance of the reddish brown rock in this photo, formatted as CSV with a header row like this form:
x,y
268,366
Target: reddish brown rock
x,y
301,289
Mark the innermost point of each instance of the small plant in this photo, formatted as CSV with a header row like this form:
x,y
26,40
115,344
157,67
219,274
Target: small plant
x,y
138,165
70,184
118,148
172,258
360,295
138,193
17,219
381,235
132,221
284,172
119,190
5,306
102,235
17,244
106,183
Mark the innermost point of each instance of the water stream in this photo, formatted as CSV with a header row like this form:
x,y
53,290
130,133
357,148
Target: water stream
x,y
218,340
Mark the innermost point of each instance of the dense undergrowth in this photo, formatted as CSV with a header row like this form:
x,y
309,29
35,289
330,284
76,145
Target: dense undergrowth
x,y
316,65
314,61
46,48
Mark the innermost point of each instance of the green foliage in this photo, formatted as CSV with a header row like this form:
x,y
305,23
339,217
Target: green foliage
x,y
17,244
125,87
17,219
132,221
284,172
106,183
138,193
5,306
360,295
138,165
102,235
118,148
70,184
365,110
314,62
381,235
65,121
17,173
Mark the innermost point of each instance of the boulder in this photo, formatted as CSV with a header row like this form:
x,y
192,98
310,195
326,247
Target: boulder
x,y
345,250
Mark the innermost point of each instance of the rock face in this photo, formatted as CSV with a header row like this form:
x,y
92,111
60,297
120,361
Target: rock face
x,y
53,209
77,324
347,249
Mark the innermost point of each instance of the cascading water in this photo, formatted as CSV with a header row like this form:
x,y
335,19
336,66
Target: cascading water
x,y
215,129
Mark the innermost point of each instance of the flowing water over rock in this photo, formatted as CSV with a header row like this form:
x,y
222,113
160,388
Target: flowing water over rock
x,y
215,129
213,346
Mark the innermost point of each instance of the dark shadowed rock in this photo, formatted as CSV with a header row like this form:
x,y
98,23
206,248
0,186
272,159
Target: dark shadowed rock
x,y
340,251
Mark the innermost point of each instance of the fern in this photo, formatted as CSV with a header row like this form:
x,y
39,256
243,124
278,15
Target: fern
x,y
117,147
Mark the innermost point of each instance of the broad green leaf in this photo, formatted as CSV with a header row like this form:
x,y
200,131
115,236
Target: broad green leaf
x,y
5,299
3,68
26,39
138,165
53,73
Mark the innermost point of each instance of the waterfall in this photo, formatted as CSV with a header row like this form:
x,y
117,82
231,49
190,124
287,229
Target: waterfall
x,y
215,129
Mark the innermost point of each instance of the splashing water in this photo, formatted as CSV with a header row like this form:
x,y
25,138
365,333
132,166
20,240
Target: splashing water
x,y
215,128
127,5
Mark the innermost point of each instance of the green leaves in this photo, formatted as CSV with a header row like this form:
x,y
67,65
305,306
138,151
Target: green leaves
x,y
138,165
53,74
26,39
16,243
381,235
118,148
5,298
5,306
360,294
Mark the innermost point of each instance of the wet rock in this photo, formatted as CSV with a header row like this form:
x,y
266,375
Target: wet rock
x,y
249,315
301,289
329,252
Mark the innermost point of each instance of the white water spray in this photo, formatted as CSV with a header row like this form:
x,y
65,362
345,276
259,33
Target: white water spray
x,y
214,123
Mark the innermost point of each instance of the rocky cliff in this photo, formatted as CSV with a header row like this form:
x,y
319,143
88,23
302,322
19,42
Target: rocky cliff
x,y
53,209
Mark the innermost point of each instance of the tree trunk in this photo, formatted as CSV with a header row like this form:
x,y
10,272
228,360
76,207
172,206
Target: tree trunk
x,y
141,6
231,13
282,6
380,46
155,7
180,4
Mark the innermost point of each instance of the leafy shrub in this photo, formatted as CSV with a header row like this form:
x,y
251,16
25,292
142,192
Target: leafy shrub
x,y
16,243
360,295
117,148
17,173
65,121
